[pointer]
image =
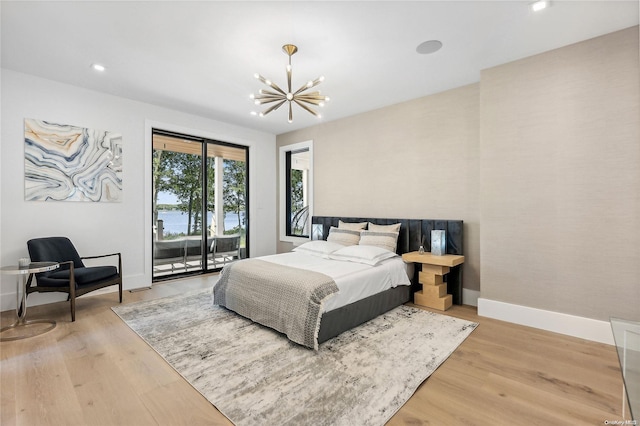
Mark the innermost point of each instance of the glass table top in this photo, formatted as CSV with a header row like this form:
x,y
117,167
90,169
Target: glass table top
x,y
627,338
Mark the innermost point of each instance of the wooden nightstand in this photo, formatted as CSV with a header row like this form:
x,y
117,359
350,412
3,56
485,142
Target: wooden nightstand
x,y
434,289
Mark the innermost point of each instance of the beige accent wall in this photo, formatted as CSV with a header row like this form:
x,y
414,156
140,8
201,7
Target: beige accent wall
x,y
560,179
418,159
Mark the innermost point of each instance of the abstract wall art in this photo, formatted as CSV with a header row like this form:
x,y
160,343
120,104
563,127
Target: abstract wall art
x,y
70,163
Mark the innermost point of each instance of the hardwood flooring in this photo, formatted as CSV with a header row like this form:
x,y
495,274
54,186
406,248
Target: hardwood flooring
x,y
96,371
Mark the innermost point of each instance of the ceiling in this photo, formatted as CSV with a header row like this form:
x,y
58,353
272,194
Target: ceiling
x,y
200,57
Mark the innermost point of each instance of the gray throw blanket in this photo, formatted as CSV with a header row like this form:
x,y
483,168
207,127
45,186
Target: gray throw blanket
x,y
284,298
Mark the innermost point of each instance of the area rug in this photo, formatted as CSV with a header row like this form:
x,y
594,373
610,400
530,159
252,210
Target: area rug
x,y
256,376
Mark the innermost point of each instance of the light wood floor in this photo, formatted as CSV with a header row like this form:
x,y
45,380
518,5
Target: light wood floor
x,y
96,371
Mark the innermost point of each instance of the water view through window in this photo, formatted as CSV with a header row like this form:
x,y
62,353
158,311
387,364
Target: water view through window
x,y
175,222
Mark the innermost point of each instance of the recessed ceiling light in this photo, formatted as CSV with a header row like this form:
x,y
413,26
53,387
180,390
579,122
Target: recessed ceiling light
x,y
429,47
98,67
539,5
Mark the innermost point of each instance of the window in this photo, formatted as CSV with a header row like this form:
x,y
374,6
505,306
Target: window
x,y
296,191
199,204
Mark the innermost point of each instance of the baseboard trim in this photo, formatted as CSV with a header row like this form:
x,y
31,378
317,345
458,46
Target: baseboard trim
x,y
130,282
135,290
470,297
584,328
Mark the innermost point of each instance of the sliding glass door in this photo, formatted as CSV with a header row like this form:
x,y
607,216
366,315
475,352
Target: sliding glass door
x,y
200,204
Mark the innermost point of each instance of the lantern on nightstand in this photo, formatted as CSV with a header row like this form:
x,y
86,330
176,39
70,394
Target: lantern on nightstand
x,y
317,231
438,242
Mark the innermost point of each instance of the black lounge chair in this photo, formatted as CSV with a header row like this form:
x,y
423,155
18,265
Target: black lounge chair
x,y
72,277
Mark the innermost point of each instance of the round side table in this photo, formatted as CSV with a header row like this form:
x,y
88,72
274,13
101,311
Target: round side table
x,y
22,324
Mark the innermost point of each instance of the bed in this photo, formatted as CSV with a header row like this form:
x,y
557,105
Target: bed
x,y
337,318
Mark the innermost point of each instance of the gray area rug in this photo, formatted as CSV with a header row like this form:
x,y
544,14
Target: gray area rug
x,y
255,376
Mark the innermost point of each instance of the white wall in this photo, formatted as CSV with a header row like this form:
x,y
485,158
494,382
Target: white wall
x,y
98,228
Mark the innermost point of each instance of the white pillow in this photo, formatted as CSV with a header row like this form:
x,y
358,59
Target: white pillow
x,y
369,255
384,228
346,237
386,240
319,248
355,226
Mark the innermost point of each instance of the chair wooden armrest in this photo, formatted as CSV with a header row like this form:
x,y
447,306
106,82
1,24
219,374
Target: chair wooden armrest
x,y
101,255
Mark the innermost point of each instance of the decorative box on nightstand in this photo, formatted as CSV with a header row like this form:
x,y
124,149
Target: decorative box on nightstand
x,y
434,289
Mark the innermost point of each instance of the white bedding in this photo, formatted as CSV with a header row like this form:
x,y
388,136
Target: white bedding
x,y
354,280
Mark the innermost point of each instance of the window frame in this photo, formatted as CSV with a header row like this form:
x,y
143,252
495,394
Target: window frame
x,y
206,143
283,187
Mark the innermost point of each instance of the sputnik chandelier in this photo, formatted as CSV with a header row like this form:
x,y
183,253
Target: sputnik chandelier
x,y
301,97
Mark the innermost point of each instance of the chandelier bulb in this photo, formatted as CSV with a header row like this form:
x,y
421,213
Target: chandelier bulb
x,y
252,96
321,78
327,99
256,75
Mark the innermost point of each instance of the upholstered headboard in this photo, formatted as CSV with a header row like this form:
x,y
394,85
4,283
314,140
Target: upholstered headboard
x,y
413,233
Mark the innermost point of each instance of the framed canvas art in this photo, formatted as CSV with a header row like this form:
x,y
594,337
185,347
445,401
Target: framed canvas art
x,y
70,163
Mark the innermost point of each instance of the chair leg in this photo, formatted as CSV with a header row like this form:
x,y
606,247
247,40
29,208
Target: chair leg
x,y
72,292
73,308
120,290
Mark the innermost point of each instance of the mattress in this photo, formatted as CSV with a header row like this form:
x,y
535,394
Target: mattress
x,y
355,281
